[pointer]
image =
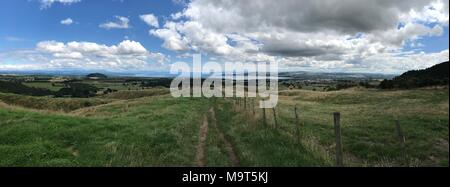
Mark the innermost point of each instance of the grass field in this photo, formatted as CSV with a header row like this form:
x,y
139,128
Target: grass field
x,y
368,124
151,128
45,85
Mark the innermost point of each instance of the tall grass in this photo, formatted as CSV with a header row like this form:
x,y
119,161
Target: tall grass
x,y
137,94
154,129
148,134
53,104
368,125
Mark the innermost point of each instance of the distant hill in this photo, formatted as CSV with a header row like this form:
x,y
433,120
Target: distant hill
x,y
96,76
433,76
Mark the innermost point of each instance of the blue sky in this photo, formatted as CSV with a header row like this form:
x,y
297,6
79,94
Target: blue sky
x,y
27,22
294,33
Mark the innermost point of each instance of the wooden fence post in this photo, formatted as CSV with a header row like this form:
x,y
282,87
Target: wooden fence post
x,y
245,103
264,117
337,131
400,132
253,106
298,124
275,117
126,107
296,115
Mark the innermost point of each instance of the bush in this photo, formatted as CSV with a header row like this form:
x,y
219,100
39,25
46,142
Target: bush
x,y
77,90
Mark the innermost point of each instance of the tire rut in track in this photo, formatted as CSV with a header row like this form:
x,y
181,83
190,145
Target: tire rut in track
x,y
228,146
203,133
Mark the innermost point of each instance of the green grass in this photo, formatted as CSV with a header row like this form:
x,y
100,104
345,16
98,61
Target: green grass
x,y
150,128
149,134
368,124
215,151
46,85
111,85
51,104
137,94
257,145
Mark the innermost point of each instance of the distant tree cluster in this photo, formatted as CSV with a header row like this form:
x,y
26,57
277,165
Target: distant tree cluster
x,y
17,87
366,84
77,90
163,82
433,76
109,90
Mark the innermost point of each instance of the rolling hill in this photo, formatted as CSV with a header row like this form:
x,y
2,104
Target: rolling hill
x,y
434,76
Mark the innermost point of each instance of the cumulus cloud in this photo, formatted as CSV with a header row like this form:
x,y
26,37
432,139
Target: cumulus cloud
x,y
67,21
150,20
393,63
322,34
331,34
48,3
347,16
121,23
172,39
127,55
409,32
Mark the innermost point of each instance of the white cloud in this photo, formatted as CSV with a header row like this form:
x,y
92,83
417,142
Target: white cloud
x,y
344,35
409,32
121,23
336,33
172,39
150,20
127,55
48,3
392,63
176,16
67,21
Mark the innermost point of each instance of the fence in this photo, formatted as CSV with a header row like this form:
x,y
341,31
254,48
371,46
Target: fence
x,y
242,103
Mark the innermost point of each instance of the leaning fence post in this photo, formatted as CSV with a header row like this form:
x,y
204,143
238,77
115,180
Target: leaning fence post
x,y
126,107
400,132
253,106
296,115
337,131
298,123
245,103
275,117
264,117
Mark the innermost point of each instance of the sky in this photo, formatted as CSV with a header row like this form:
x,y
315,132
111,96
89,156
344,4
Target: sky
x,y
367,36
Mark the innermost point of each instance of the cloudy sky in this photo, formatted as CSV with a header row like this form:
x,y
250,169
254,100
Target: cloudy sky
x,y
377,36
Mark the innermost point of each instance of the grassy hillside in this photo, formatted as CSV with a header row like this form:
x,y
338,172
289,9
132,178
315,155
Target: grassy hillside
x,y
48,103
137,94
147,134
368,124
158,130
437,75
